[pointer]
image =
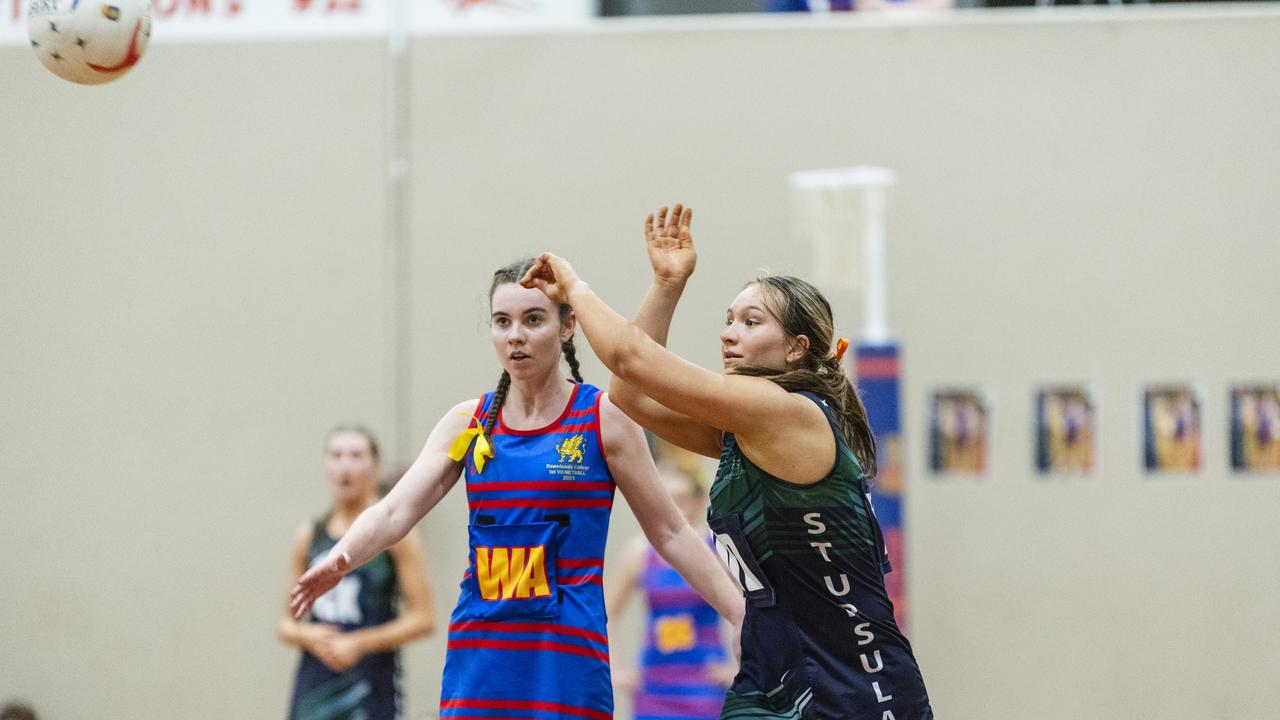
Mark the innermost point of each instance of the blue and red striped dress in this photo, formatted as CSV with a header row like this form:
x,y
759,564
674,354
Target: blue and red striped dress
x,y
527,638
682,639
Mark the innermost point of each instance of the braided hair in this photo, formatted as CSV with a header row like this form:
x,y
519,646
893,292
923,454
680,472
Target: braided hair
x,y
506,275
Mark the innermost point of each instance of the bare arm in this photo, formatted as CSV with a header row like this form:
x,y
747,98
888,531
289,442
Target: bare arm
x,y
430,477
784,434
626,582
667,530
673,258
618,595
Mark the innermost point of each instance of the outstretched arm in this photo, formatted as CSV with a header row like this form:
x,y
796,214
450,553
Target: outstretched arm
x,y
785,434
626,579
625,582
670,534
381,525
673,258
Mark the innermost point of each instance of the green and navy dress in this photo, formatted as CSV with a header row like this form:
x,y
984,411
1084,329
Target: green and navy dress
x,y
819,641
369,690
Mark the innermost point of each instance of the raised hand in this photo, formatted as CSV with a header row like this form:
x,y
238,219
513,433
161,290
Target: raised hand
x,y
317,581
670,245
553,275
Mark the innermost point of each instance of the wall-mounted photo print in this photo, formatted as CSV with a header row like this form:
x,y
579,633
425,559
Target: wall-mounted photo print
x,y
1066,431
1171,428
958,431
1255,428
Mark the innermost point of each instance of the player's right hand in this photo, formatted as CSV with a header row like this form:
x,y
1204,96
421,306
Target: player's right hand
x,y
339,652
317,581
670,245
553,275
314,635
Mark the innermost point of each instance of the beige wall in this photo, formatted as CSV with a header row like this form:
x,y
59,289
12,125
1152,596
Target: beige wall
x,y
192,294
1083,197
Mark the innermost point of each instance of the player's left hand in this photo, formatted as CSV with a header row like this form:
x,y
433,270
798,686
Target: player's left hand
x,y
553,275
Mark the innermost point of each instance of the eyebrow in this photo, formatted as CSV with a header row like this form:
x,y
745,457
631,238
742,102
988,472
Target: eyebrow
x,y
526,311
750,307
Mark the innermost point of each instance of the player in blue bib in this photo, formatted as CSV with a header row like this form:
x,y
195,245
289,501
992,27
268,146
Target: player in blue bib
x,y
684,667
541,456
789,506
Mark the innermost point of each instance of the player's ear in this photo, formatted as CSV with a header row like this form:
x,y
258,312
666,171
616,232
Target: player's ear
x,y
797,347
568,324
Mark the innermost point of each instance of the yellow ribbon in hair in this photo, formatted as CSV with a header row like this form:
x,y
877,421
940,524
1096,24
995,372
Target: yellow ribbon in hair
x,y
841,345
479,454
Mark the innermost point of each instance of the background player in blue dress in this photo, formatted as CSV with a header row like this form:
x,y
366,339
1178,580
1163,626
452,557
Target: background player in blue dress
x,y
789,506
684,668
350,666
541,455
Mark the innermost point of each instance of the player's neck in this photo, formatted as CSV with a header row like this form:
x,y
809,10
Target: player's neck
x,y
345,512
536,402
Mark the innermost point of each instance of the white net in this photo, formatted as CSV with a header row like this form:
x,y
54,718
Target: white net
x,y
841,213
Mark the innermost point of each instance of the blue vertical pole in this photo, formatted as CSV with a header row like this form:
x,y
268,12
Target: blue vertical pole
x,y
876,368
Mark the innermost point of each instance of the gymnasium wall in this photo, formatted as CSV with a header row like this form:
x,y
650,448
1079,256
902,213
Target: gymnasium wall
x,y
196,285
192,294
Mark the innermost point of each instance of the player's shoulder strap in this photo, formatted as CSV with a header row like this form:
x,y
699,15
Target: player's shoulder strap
x,y
320,528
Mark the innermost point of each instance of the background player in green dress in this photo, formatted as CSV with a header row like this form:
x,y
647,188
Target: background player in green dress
x,y
350,665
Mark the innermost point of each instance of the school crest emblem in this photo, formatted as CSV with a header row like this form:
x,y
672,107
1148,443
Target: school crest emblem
x,y
571,449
